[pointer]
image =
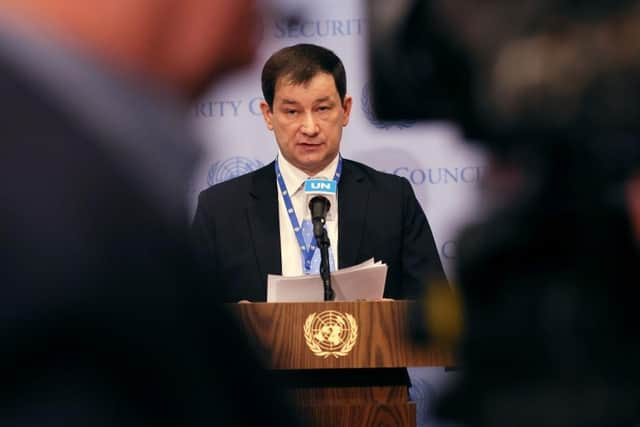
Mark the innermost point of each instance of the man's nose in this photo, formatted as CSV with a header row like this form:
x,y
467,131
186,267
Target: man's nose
x,y
309,125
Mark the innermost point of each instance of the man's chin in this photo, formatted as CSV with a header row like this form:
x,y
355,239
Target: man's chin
x,y
313,167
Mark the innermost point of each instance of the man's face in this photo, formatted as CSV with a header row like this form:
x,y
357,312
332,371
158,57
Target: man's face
x,y
307,120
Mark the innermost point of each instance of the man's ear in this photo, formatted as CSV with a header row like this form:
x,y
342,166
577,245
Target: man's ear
x,y
348,101
266,114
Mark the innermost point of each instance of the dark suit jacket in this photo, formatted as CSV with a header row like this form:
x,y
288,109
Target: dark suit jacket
x,y
104,319
236,229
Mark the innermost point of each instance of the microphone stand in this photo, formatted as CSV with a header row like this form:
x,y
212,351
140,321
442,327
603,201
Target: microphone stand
x,y
322,239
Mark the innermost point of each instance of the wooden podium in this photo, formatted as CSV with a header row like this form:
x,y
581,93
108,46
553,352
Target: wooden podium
x,y
343,362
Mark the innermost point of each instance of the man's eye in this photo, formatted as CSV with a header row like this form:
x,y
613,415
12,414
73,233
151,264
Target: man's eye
x,y
291,112
323,108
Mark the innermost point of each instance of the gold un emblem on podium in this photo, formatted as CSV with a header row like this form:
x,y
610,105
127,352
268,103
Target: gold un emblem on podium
x,y
330,333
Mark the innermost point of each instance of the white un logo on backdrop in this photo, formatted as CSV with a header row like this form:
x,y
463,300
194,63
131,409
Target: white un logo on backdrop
x,y
232,167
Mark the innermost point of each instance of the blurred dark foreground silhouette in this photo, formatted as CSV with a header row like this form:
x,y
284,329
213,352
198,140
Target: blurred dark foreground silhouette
x,y
105,317
547,275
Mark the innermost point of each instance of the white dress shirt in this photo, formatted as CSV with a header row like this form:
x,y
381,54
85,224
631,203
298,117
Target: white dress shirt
x,y
294,178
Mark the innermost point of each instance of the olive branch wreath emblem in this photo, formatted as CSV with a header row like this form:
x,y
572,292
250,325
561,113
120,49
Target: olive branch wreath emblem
x,y
348,343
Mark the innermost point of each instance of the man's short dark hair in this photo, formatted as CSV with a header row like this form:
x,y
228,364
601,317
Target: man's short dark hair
x,y
299,64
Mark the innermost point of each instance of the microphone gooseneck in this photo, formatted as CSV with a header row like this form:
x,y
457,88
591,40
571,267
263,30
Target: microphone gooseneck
x,y
319,207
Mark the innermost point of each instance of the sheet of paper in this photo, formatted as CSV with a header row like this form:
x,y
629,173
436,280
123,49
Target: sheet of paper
x,y
306,288
362,284
364,281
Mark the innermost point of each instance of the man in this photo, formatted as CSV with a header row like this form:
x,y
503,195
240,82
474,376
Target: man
x,y
245,228
103,319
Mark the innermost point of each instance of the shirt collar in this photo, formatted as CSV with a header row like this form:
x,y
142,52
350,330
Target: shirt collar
x,y
294,177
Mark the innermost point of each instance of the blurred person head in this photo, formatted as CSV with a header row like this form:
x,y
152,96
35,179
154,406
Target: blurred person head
x,y
553,93
179,44
305,104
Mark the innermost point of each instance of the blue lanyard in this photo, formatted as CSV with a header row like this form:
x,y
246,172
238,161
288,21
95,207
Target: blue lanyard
x,y
307,253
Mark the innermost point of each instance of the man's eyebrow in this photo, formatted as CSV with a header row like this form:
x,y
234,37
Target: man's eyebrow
x,y
323,99
288,101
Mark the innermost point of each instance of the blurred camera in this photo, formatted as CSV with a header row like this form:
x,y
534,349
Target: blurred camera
x,y
508,72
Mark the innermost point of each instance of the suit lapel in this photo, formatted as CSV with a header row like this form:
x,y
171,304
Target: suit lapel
x,y
262,215
353,198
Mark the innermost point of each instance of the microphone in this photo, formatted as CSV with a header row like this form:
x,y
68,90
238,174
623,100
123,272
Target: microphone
x,y
324,188
320,192
319,207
